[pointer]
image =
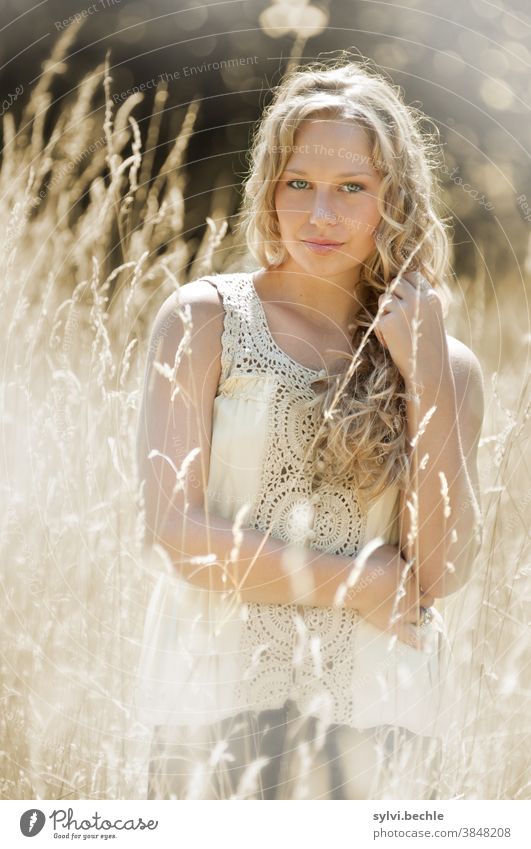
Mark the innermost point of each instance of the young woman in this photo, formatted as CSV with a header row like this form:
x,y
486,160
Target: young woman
x,y
307,442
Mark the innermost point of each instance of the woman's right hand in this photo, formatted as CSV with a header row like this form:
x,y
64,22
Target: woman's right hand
x,y
382,609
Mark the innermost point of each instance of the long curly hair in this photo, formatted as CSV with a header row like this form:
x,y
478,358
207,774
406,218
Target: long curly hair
x,y
360,408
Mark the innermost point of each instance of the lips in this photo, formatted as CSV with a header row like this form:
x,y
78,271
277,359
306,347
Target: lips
x,y
322,242
322,247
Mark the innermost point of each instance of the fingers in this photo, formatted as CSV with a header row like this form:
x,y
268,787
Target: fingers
x,y
380,338
399,291
410,613
385,302
426,599
407,283
413,617
408,635
414,599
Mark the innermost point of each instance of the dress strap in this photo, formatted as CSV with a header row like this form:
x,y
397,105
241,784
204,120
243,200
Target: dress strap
x,y
236,324
248,348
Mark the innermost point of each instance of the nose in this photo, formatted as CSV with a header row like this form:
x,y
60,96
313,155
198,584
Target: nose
x,y
323,211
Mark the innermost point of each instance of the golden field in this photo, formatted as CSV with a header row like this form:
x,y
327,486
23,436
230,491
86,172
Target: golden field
x,y
92,243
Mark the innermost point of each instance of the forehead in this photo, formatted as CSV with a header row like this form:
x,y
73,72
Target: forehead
x,y
331,145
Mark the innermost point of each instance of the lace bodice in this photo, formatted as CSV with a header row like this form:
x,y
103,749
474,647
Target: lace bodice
x,y
304,652
206,657
328,520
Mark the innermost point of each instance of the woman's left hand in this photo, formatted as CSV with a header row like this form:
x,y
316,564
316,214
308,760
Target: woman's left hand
x,y
395,328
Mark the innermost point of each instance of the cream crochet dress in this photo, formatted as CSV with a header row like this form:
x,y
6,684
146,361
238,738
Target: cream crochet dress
x,y
206,656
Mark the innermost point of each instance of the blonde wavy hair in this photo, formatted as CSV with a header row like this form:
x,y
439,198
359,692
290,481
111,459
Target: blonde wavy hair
x,y
360,408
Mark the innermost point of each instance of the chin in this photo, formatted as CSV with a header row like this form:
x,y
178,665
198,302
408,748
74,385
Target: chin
x,y
302,256
333,263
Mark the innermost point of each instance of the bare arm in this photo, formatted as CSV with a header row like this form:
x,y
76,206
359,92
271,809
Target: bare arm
x,y
449,524
176,421
261,568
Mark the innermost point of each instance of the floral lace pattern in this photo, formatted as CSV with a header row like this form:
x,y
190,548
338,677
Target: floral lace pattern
x,y
289,651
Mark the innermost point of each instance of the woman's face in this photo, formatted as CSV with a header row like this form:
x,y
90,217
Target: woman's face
x,y
328,191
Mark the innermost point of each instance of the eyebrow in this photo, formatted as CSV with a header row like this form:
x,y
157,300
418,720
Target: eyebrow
x,y
340,176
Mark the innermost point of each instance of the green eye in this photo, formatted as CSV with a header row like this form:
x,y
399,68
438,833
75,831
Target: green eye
x,y
291,184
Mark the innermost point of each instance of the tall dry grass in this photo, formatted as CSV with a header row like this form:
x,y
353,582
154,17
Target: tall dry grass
x,y
92,236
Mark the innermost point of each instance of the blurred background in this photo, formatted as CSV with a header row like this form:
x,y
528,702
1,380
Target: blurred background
x,y
125,126
467,65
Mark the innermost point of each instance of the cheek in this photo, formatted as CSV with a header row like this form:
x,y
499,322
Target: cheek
x,y
365,219
280,201
288,204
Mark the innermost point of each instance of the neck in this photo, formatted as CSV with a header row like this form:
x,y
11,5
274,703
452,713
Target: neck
x,y
313,296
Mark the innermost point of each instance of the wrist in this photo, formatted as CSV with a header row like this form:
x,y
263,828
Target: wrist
x,y
368,579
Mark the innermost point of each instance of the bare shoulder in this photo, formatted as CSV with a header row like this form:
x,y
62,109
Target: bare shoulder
x,y
200,291
464,362
200,295
469,382
196,305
